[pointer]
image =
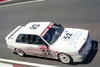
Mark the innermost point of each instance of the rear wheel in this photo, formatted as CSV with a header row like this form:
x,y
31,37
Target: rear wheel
x,y
64,58
20,52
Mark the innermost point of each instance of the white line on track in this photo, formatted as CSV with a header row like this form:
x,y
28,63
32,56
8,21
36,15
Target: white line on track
x,y
22,3
25,63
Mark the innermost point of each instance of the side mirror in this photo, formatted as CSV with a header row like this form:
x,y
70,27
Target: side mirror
x,y
60,25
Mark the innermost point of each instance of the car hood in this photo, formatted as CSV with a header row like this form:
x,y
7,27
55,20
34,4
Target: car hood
x,y
70,40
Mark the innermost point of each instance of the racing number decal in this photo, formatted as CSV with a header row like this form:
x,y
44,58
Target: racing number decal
x,y
35,26
67,36
45,50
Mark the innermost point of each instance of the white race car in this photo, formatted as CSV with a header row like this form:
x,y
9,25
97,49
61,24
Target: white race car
x,y
50,40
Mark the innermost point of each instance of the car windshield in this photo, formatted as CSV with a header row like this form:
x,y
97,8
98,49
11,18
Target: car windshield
x,y
52,33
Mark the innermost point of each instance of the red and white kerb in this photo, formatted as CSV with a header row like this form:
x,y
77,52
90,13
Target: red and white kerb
x,y
4,0
46,30
8,65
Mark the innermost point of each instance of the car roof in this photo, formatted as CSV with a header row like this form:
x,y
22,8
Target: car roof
x,y
34,28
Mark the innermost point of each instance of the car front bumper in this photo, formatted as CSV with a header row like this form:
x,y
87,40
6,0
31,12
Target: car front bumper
x,y
83,55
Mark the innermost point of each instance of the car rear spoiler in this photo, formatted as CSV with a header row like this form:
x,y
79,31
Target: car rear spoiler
x,y
13,32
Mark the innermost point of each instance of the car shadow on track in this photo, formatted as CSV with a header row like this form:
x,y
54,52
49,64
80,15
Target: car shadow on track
x,y
91,54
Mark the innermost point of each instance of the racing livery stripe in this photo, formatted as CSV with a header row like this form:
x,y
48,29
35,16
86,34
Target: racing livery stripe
x,y
46,30
77,38
74,37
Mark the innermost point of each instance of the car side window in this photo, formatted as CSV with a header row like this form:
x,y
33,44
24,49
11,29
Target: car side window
x,y
30,39
21,38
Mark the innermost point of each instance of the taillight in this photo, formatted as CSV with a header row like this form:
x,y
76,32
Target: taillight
x,y
81,49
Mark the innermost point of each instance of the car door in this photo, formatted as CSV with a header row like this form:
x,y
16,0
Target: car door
x,y
37,46
33,45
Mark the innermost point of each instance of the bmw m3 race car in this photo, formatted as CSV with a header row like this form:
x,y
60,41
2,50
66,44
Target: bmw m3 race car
x,y
50,40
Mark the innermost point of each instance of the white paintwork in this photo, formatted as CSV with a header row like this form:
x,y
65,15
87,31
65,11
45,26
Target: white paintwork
x,y
71,46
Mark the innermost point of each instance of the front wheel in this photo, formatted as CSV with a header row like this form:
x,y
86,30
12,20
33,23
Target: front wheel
x,y
64,58
20,52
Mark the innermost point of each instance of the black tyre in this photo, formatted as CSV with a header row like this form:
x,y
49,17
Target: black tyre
x,y
64,58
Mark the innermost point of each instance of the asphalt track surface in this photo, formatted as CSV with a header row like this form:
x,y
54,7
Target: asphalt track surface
x,y
83,14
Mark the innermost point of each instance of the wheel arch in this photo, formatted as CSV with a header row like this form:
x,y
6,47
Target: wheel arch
x,y
66,54
21,50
